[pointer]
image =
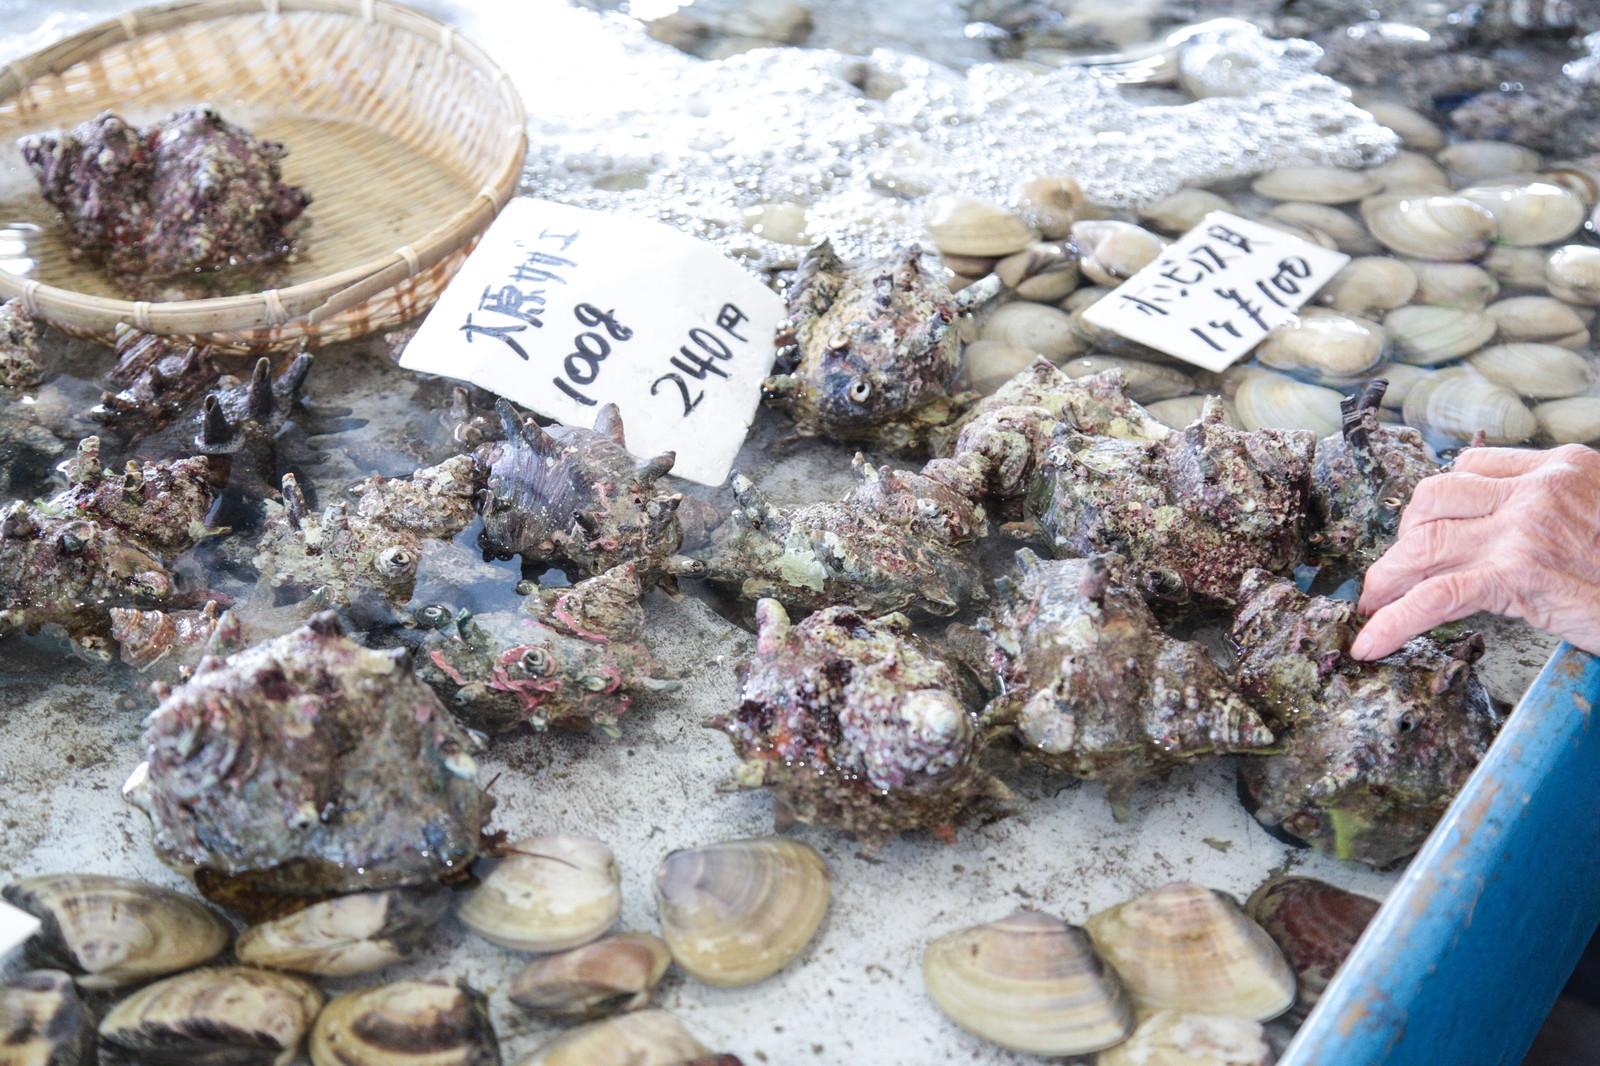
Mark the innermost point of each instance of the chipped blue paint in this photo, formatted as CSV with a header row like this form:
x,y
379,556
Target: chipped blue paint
x,y
1474,942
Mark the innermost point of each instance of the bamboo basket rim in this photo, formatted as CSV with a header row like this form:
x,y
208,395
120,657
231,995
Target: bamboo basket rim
x,y
309,302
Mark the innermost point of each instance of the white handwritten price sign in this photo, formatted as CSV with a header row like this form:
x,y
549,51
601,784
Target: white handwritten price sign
x,y
563,310
16,925
1213,294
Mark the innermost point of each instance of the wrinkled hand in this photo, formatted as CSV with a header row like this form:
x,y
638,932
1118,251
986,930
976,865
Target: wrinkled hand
x,y
1510,531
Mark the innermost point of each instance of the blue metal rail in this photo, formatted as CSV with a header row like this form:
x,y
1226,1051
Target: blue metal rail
x,y
1473,944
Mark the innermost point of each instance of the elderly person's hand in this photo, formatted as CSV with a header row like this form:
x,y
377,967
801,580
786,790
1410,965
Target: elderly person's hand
x,y
1509,531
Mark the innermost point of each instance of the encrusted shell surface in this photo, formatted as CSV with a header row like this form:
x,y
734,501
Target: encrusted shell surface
x,y
737,912
643,1038
346,935
1029,982
1325,344
1536,371
1460,403
1451,228
1184,947
1529,213
1186,1038
1315,923
550,893
614,974
44,1022
112,931
1425,335
1369,285
1181,410
1572,273
427,1022
1316,184
1542,319
230,1014
966,225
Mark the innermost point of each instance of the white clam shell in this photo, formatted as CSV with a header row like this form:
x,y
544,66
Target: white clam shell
x,y
784,223
1475,160
1183,210
1112,252
643,1038
1572,273
1426,335
1050,203
1414,129
1184,947
1529,213
614,974
738,912
1520,268
1459,403
1317,185
1455,284
1576,175
966,225
1042,271
1411,172
1401,378
1570,421
989,364
551,893
1540,318
1329,345
1369,285
221,1014
1037,327
1029,982
1345,229
1451,228
1536,371
1184,1038
113,931
1146,382
1265,400
427,1022
1181,411
346,935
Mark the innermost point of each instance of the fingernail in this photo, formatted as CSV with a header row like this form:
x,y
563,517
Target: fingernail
x,y
1361,647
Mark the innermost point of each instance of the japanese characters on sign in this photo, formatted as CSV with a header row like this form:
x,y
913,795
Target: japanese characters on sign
x,y
1215,292
564,310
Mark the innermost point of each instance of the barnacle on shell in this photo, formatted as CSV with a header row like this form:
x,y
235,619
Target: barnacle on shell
x,y
21,364
161,505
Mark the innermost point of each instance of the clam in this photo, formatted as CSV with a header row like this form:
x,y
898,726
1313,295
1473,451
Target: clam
x,y
1346,231
1182,410
966,225
1369,285
1414,129
1146,382
1304,232
1411,172
1184,947
990,364
228,1014
1401,377
969,267
1454,284
1315,923
1029,982
1529,213
1572,273
346,935
1316,184
1037,327
614,974
1049,204
738,912
1521,268
1042,271
1328,345
43,1021
407,1023
1577,176
111,931
1540,318
1475,160
1265,400
1183,210
1572,421
1112,252
1460,403
1184,1038
551,893
1429,226
643,1038
1536,371
1425,335
785,223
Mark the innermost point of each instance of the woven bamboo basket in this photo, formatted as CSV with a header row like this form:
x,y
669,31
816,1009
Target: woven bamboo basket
x,y
407,136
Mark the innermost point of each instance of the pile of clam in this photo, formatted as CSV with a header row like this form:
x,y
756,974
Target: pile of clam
x,y
1180,976
731,914
1472,289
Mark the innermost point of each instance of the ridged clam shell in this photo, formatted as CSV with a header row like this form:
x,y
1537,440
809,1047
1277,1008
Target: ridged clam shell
x,y
738,912
1042,271
1266,400
612,975
1346,231
1183,410
1450,228
1414,129
1050,203
1529,213
1369,286
345,936
406,1023
1146,382
1475,160
1183,210
988,364
1454,284
1029,982
1183,1038
551,893
1459,403
233,1014
43,1021
1184,947
1572,273
113,931
1037,327
1326,344
1537,371
1520,268
1543,319
1411,172
1315,924
1316,185
1112,252
1425,335
1573,421
966,225
643,1038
